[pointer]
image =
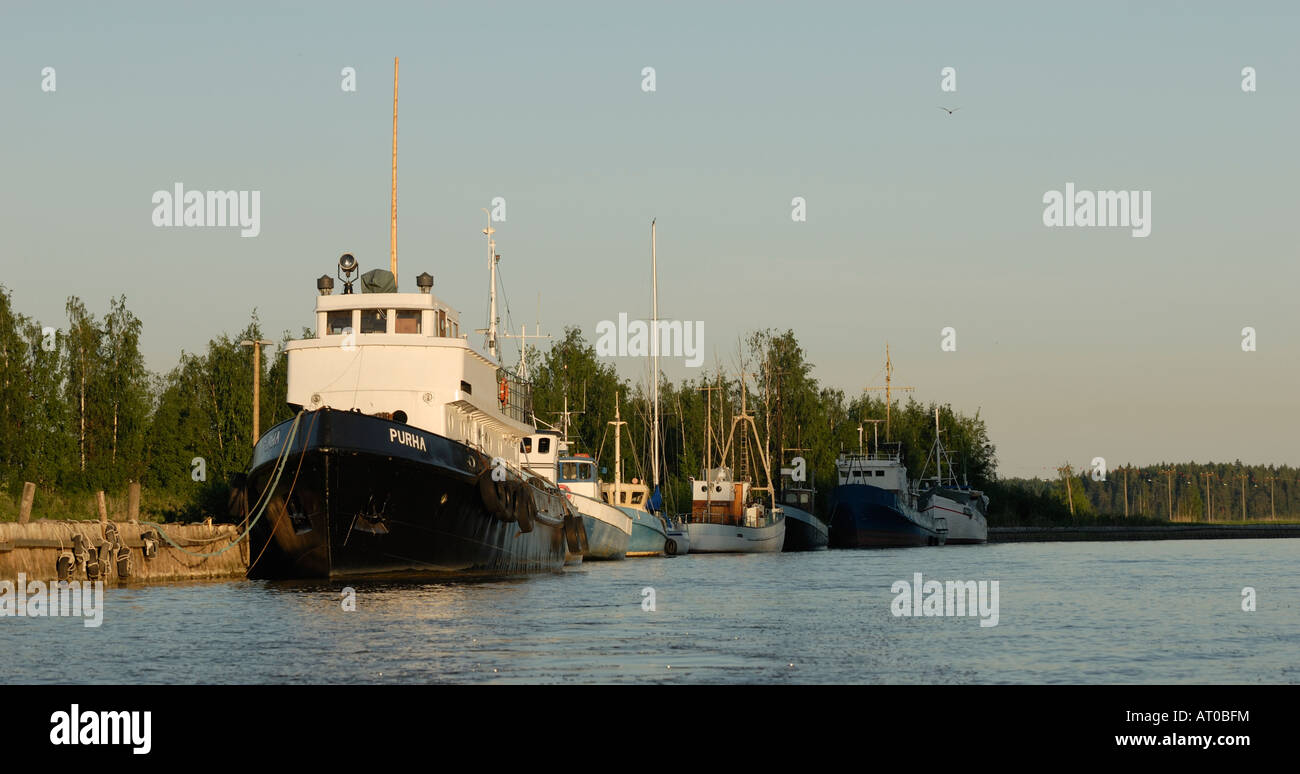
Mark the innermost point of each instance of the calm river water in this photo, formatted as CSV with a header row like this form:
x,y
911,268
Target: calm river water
x,y
1115,612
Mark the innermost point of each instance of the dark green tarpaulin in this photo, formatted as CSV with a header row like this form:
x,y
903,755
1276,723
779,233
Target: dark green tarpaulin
x,y
378,281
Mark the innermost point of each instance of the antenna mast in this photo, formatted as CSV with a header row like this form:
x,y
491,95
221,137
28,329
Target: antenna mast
x,y
493,320
523,340
889,400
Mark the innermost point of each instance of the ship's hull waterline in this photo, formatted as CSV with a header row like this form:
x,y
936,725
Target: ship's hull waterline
x,y
731,539
964,513
648,534
361,496
804,531
865,516
606,541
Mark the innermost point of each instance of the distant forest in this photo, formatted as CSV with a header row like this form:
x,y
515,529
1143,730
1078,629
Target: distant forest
x,y
79,413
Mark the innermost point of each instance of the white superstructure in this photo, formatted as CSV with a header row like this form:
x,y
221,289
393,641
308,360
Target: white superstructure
x,y
404,355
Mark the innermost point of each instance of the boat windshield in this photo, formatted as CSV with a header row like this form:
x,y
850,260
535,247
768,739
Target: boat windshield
x,y
573,470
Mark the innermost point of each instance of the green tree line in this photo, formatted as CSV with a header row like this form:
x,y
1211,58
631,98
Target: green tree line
x,y
1182,492
80,413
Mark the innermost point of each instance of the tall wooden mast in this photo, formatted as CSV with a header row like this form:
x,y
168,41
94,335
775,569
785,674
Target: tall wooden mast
x,y
888,388
392,226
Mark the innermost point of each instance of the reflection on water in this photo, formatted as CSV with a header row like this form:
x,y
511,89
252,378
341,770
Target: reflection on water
x,y
1158,611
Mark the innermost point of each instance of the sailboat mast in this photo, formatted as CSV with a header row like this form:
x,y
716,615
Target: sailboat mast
x,y
392,226
938,448
708,452
618,451
566,415
889,400
654,350
616,496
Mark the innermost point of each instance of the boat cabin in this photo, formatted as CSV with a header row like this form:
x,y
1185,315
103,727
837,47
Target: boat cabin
x,y
883,469
634,495
799,498
717,498
404,357
539,453
578,475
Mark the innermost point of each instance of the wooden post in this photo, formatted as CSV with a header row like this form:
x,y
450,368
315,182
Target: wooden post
x,y
103,506
133,502
257,391
25,507
1126,467
257,345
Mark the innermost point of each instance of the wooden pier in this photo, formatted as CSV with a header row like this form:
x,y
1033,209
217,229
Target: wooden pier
x,y
132,552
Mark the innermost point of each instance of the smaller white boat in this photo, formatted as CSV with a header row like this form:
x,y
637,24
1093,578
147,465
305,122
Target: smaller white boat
x,y
725,518
607,529
727,514
965,509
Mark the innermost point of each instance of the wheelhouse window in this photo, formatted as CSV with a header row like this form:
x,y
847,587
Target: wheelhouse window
x,y
526,446
637,497
408,321
338,323
374,321
569,471
543,445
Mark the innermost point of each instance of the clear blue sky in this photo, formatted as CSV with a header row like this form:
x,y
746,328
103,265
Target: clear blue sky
x,y
1073,343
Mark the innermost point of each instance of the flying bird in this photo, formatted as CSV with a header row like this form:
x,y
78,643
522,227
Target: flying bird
x,y
950,112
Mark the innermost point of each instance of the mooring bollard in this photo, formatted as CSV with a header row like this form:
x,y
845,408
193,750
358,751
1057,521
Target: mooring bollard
x,y
25,507
133,502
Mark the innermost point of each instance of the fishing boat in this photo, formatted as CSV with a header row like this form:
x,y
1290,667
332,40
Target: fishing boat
x,y
965,509
404,453
649,536
727,518
728,514
873,505
804,531
607,529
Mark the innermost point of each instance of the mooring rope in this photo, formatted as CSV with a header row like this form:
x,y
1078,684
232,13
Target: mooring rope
x,y
263,499
292,485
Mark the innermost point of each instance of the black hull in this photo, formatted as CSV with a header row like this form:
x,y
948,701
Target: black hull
x,y
865,516
361,496
803,531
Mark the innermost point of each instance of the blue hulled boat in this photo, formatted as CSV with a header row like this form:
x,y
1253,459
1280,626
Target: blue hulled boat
x,y
872,505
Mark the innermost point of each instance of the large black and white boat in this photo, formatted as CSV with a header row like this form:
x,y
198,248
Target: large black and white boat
x,y
405,454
